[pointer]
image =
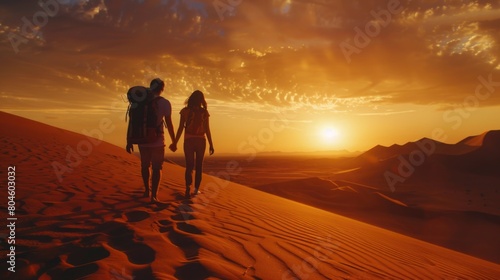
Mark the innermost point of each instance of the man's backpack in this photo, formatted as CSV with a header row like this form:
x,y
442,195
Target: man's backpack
x,y
195,122
143,116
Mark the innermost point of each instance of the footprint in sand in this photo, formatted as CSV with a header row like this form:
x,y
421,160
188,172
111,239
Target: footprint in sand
x,y
183,213
137,253
180,237
188,228
89,255
185,243
136,216
122,238
165,226
192,270
165,222
182,217
47,206
39,238
68,195
80,271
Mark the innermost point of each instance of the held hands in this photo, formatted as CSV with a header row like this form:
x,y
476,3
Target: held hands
x,y
129,148
173,147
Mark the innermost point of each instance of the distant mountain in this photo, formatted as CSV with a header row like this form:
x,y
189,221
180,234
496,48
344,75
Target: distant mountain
x,y
474,140
485,159
427,160
490,143
379,152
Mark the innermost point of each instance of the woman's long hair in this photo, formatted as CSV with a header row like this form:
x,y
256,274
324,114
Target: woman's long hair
x,y
196,100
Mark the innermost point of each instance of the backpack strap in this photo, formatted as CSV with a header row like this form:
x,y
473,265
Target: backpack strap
x,y
126,114
154,103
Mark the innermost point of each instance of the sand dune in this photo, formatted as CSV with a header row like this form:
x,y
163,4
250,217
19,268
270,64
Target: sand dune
x,y
441,174
93,224
445,199
483,160
426,216
476,140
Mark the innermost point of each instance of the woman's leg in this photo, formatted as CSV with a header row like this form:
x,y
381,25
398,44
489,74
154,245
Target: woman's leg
x,y
200,147
189,156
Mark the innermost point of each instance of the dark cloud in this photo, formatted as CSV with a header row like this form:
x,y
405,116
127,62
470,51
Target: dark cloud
x,y
280,52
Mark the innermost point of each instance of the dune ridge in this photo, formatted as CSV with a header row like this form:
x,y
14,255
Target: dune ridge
x,y
450,194
94,225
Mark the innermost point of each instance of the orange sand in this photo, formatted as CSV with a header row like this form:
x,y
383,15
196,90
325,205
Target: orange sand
x,y
94,225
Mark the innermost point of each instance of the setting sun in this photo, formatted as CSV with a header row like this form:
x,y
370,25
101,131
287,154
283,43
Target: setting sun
x,y
329,135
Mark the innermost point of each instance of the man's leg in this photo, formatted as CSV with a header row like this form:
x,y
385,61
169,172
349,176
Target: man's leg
x,y
145,163
155,182
158,155
189,156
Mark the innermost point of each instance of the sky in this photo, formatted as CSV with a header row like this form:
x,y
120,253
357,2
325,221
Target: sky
x,y
278,75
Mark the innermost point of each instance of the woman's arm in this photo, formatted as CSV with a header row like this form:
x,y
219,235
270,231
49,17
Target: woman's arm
x,y
182,121
209,136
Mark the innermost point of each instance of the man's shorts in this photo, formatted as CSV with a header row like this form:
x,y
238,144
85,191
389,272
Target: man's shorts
x,y
152,155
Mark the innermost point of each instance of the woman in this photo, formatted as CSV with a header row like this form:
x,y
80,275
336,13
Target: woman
x,y
194,119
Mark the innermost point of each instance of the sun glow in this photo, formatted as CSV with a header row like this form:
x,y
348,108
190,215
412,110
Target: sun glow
x,y
329,135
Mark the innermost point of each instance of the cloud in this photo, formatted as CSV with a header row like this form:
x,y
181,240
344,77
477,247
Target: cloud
x,y
282,53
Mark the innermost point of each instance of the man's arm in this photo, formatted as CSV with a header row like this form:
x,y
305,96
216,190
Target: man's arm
x,y
166,112
129,148
170,128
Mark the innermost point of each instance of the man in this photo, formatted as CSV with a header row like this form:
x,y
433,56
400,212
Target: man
x,y
152,154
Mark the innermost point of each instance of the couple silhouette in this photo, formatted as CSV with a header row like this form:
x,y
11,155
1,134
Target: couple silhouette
x,y
194,121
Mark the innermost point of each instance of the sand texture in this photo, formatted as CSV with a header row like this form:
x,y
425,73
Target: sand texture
x,y
93,224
